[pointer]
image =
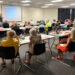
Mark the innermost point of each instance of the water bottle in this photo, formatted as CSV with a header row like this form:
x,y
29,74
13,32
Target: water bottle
x,y
27,56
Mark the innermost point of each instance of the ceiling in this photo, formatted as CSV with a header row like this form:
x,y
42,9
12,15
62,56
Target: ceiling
x,y
41,3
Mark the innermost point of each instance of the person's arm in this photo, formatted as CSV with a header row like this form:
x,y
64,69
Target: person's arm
x,y
30,39
67,33
16,37
39,38
68,40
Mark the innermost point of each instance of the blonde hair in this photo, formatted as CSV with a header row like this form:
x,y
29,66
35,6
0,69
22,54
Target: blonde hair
x,y
33,32
11,33
73,34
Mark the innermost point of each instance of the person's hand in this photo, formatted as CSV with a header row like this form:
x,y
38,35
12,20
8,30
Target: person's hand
x,y
15,36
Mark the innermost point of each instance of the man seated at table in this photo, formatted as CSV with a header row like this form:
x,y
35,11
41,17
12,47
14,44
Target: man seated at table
x,y
10,42
5,24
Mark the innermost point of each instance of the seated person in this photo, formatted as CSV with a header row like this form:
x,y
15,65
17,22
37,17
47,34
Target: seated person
x,y
34,39
25,24
10,42
17,29
31,22
54,22
43,22
5,24
15,26
28,27
48,26
12,24
41,25
63,47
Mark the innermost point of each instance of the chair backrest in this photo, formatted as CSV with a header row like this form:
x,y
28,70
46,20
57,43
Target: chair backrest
x,y
17,30
49,28
71,46
41,30
2,33
39,49
7,52
27,30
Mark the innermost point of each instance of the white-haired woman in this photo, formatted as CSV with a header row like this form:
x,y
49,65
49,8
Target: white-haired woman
x,y
34,39
62,48
10,42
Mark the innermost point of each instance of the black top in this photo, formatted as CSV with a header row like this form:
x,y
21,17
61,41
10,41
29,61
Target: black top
x,y
16,28
5,25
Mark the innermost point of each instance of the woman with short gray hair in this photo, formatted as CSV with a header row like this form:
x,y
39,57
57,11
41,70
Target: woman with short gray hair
x,y
35,38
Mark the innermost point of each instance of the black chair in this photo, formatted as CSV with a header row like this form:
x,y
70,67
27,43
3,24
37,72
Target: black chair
x,y
9,53
17,30
2,34
49,29
38,50
71,46
41,30
27,30
68,27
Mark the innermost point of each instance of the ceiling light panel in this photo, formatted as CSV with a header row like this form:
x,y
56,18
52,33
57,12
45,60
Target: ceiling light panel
x,y
26,1
64,6
49,4
72,4
57,1
1,1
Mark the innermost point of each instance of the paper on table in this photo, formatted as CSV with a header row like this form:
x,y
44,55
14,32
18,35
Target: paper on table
x,y
61,44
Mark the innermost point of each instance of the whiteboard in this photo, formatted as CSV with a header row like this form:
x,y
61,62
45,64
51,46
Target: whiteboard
x,y
11,13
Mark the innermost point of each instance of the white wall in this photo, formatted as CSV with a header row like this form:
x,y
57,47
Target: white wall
x,y
0,8
29,13
50,14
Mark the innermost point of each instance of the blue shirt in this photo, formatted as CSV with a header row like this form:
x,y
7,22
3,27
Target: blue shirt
x,y
41,26
44,22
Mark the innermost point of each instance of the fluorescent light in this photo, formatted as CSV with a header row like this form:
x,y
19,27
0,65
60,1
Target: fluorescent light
x,y
44,7
1,1
49,4
72,4
26,1
26,5
57,1
64,6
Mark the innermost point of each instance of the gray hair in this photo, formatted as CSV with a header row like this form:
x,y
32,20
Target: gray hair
x,y
11,33
33,31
